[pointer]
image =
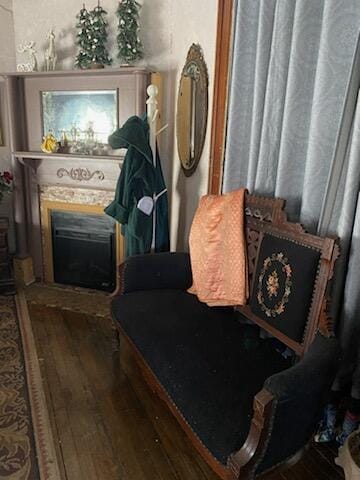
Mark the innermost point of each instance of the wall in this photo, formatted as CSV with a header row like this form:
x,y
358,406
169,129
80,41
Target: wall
x,y
168,28
7,63
193,22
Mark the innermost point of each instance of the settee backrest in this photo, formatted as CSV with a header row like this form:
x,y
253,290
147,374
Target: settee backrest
x,y
289,273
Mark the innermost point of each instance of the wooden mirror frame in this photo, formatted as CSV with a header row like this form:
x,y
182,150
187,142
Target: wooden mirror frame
x,y
195,69
224,38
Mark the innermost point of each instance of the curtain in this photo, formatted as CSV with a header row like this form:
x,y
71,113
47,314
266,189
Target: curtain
x,y
291,70
345,224
293,130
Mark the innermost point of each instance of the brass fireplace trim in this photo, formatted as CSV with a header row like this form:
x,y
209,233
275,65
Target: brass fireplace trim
x,y
46,207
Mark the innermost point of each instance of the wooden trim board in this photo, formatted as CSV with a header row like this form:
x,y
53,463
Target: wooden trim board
x,y
220,102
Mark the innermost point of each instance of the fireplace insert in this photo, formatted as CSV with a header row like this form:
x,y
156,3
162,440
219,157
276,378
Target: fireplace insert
x,y
84,250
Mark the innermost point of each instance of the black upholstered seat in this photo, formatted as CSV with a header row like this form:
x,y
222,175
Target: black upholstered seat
x,y
210,364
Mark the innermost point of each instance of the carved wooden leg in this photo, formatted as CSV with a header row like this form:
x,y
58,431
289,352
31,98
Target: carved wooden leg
x,y
242,463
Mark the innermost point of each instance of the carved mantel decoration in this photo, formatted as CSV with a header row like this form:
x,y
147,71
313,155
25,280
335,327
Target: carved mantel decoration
x,y
80,174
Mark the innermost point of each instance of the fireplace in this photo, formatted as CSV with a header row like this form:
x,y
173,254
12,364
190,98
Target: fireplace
x,y
75,179
84,250
81,246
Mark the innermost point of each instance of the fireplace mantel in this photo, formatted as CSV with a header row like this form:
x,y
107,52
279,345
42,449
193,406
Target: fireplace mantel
x,y
94,172
126,70
34,169
66,157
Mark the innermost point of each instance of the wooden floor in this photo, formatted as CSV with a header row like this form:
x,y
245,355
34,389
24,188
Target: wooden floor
x,y
108,424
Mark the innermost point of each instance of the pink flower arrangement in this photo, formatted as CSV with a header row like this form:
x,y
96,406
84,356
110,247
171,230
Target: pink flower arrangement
x,y
6,180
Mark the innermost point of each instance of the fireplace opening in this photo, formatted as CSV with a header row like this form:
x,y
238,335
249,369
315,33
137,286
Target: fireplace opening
x,y
84,250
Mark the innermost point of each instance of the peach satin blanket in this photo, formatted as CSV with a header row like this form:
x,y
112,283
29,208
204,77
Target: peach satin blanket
x,y
218,250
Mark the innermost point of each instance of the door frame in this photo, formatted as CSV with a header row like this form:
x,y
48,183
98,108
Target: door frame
x,y
224,42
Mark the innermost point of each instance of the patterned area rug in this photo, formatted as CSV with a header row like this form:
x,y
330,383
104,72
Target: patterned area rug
x,y
26,444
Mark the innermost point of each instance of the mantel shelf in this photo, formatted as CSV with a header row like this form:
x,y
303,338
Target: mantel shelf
x,y
67,156
124,70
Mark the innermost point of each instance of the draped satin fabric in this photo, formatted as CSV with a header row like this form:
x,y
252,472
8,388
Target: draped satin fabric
x,y
218,250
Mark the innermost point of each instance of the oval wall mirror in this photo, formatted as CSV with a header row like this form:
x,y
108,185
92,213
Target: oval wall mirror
x,y
192,110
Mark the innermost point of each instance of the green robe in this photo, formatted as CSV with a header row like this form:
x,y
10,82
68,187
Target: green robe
x,y
139,178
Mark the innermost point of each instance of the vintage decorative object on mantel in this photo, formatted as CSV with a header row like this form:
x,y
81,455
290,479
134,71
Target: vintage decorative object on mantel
x,y
92,38
50,53
32,65
192,110
129,43
49,144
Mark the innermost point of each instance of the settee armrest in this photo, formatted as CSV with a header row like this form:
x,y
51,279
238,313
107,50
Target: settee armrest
x,y
155,271
300,394
287,410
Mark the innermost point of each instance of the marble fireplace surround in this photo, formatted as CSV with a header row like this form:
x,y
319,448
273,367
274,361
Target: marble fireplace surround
x,y
66,182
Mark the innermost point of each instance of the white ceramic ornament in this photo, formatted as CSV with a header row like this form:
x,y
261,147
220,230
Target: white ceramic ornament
x,y
29,48
50,53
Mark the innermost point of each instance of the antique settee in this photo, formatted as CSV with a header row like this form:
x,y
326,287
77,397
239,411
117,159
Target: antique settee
x,y
245,405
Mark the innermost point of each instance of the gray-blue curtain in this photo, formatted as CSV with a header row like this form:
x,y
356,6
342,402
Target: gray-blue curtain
x,y
293,130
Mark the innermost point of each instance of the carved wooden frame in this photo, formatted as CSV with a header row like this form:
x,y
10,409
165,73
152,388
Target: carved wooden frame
x,y
267,215
262,215
195,67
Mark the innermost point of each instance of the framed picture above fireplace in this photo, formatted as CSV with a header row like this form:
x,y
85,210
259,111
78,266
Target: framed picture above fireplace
x,y
82,119
85,107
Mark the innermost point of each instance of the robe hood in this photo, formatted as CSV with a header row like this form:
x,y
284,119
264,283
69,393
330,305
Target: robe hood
x,y
134,133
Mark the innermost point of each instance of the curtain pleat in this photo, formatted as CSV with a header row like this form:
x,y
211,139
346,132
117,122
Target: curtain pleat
x,y
274,101
345,224
298,104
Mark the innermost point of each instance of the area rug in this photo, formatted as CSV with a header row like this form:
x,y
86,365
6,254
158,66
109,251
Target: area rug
x,y
76,299
26,444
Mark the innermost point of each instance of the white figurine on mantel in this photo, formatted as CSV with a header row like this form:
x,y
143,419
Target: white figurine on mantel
x,y
28,47
50,54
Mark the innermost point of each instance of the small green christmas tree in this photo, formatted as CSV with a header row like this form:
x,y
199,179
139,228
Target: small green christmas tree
x,y
84,38
99,53
129,44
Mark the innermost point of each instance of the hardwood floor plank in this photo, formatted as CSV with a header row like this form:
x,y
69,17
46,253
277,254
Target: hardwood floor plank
x,y
173,438
109,424
328,452
108,402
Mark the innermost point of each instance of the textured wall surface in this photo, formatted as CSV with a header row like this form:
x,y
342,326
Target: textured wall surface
x,y
7,63
192,22
7,45
168,28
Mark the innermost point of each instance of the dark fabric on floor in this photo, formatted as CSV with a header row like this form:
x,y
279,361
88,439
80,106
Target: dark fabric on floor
x,y
210,364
